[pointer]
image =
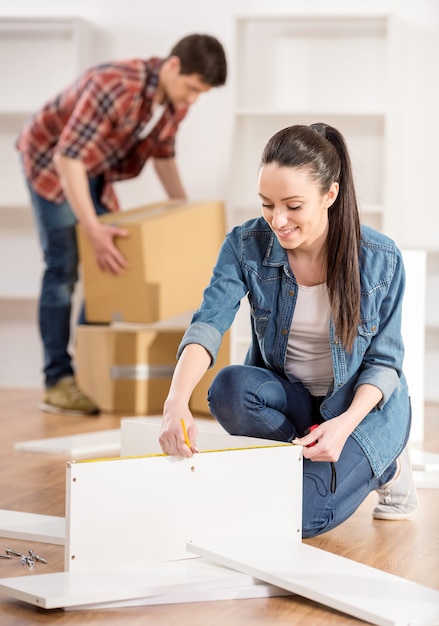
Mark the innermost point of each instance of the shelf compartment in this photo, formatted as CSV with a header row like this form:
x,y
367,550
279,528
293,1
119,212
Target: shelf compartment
x,y
12,182
58,48
294,61
21,265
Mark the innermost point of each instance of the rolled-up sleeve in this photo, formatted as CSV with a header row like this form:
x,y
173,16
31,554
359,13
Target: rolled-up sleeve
x,y
205,335
386,379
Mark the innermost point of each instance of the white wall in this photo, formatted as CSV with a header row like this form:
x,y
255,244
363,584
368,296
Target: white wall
x,y
143,28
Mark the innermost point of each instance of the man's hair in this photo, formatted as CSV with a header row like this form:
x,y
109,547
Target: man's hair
x,y
202,55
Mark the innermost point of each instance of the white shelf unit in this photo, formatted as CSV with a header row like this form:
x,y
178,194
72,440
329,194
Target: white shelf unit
x,y
299,70
38,57
432,329
41,55
342,70
304,69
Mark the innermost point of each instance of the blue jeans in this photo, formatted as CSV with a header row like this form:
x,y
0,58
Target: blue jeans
x,y
56,228
255,402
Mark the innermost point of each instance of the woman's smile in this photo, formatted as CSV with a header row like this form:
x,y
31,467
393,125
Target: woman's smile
x,y
285,233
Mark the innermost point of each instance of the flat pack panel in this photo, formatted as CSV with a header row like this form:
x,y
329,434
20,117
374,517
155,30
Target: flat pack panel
x,y
257,589
359,590
120,512
155,583
413,332
424,461
141,436
83,445
32,527
426,480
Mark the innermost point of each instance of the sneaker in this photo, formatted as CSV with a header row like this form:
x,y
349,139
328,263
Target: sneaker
x,y
66,398
397,499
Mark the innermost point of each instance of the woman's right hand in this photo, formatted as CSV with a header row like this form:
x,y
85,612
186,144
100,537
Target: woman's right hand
x,y
176,420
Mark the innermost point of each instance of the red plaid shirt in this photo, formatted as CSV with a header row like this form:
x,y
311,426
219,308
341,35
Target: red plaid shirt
x,y
98,119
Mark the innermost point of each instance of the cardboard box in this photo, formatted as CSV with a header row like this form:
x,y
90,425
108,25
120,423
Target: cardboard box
x,y
126,371
127,368
172,248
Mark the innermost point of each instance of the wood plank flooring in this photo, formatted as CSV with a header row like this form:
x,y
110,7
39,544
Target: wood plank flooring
x,y
36,483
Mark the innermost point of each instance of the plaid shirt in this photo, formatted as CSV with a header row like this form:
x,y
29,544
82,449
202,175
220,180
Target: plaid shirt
x,y
99,120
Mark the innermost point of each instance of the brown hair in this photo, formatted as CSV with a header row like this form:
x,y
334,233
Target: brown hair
x,y
322,150
202,55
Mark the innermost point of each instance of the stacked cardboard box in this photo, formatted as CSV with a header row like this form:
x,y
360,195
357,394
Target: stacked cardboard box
x,y
171,249
127,368
126,358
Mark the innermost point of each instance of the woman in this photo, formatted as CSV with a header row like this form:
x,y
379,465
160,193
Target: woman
x,y
326,351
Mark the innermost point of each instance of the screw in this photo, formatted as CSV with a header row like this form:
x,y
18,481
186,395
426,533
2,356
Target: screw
x,y
9,551
36,557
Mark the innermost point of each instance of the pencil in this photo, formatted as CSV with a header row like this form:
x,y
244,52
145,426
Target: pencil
x,y
186,438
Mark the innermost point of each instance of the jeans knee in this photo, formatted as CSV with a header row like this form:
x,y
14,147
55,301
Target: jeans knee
x,y
220,389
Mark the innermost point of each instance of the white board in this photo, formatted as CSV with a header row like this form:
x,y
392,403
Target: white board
x,y
81,446
413,333
191,580
32,527
424,461
140,436
425,467
120,512
426,480
239,591
364,592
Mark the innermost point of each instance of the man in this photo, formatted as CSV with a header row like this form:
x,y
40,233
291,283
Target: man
x,y
101,129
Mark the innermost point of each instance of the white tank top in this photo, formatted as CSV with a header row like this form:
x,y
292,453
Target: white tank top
x,y
308,350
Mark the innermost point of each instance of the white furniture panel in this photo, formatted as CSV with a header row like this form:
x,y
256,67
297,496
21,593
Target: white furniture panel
x,y
192,580
413,332
32,526
119,512
128,542
81,446
359,590
432,335
140,436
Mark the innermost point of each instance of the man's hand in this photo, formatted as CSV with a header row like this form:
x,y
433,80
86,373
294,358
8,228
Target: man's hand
x,y
108,257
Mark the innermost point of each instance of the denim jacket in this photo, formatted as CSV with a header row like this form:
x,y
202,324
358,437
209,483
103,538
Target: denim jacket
x,y
252,262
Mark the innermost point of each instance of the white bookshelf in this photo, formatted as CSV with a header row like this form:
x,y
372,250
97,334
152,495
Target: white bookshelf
x,y
39,56
354,73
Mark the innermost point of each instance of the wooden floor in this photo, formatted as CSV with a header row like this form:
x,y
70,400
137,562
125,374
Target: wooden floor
x,y
35,483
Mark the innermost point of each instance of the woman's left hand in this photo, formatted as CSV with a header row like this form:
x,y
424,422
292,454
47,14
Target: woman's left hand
x,y
326,441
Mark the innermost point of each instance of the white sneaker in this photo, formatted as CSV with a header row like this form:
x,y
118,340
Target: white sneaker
x,y
397,498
